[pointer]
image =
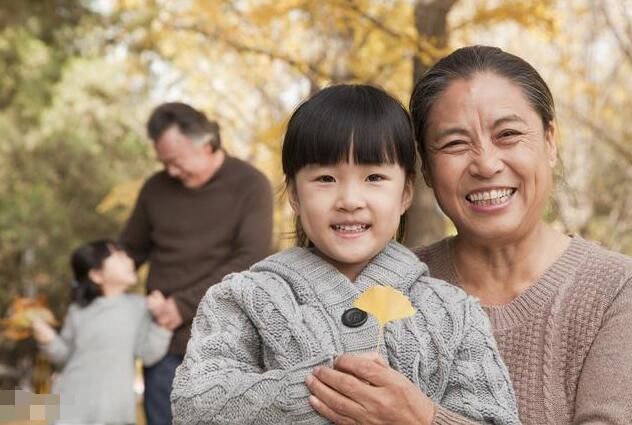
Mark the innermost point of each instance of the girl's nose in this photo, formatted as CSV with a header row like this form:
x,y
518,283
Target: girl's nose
x,y
350,198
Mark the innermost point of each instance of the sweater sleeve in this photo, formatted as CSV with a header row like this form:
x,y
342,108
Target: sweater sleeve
x,y
136,236
223,380
252,243
59,349
152,341
605,383
479,386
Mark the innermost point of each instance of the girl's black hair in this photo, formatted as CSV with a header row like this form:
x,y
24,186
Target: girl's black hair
x,y
344,122
83,259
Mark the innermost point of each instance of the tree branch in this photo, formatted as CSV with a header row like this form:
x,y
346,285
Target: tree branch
x,y
307,69
419,45
624,45
602,135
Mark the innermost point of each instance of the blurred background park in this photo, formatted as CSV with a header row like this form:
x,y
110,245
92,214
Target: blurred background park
x,y
79,78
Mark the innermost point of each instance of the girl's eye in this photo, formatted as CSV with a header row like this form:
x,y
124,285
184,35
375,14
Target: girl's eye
x,y
375,178
325,179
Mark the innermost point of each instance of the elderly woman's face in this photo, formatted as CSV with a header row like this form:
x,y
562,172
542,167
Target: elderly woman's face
x,y
490,159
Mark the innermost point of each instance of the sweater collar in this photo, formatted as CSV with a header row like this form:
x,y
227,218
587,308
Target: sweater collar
x,y
310,276
538,296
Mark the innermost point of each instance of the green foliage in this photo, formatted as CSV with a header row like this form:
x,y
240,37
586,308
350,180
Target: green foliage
x,y
72,129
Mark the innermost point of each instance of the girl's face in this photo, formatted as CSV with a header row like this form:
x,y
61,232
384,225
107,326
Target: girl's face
x,y
490,158
117,271
350,212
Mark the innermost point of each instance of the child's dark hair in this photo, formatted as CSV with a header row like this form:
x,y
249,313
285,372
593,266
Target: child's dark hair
x,y
83,259
344,122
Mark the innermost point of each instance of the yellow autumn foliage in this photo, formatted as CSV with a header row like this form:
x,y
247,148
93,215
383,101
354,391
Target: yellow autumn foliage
x,y
21,312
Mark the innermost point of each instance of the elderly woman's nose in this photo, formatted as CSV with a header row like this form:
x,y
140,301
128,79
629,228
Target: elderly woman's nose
x,y
486,163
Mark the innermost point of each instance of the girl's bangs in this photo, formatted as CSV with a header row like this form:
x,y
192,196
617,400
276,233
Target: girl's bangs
x,y
345,140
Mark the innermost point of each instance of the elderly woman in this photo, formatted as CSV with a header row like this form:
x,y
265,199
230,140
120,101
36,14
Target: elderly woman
x,y
560,306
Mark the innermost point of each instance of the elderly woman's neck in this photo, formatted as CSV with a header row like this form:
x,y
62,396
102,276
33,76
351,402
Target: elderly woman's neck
x,y
497,271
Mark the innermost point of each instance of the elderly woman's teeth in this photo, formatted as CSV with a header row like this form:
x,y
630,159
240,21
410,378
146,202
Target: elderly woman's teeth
x,y
490,197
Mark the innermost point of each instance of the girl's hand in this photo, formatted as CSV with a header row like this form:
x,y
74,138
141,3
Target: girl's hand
x,y
361,390
164,310
42,332
155,302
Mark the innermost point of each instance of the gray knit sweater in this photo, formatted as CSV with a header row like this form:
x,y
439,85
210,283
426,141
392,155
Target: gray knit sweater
x,y
259,333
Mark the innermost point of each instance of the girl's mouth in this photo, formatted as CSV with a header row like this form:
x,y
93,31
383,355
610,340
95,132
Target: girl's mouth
x,y
350,228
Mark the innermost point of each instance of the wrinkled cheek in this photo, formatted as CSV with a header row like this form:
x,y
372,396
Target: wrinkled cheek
x,y
446,198
544,185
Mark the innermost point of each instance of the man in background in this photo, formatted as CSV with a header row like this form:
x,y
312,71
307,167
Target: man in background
x,y
205,215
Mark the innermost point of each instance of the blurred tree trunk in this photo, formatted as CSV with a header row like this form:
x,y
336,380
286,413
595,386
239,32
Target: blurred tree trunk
x,y
425,221
575,197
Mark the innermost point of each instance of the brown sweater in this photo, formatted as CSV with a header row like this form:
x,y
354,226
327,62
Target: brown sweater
x,y
567,340
192,238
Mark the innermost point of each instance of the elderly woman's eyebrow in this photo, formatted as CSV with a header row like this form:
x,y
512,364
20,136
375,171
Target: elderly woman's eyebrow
x,y
460,131
509,119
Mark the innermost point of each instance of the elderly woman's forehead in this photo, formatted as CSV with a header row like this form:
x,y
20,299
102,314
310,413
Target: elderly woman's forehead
x,y
494,95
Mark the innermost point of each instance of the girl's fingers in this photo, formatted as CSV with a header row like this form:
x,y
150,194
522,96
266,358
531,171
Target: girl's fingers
x,y
42,332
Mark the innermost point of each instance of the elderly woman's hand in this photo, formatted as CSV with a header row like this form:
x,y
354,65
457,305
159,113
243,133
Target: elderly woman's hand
x,y
364,390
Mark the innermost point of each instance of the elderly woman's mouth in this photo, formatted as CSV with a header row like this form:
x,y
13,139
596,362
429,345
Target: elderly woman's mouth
x,y
495,196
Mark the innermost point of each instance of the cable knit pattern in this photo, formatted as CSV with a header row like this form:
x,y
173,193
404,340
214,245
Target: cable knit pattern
x,y
259,333
567,340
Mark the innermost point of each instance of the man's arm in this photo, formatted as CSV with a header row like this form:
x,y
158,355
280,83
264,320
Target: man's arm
x,y
135,237
252,243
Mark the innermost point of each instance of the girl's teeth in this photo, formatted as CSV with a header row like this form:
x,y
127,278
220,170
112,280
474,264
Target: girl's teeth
x,y
350,228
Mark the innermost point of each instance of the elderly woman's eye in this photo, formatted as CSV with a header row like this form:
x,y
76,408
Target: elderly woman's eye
x,y
508,133
453,144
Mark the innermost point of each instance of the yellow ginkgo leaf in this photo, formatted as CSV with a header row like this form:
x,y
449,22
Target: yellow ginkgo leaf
x,y
20,317
385,303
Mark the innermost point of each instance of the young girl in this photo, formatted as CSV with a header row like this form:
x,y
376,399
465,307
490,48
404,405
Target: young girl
x,y
349,162
104,330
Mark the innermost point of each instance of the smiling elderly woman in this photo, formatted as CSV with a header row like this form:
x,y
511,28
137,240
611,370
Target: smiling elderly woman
x,y
560,306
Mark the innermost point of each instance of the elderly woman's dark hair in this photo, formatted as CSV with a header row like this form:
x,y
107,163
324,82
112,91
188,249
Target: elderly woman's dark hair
x,y
190,121
464,64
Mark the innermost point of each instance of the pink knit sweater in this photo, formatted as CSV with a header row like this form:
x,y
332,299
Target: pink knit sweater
x,y
567,340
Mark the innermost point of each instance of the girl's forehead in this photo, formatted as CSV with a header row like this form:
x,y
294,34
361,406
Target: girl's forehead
x,y
351,165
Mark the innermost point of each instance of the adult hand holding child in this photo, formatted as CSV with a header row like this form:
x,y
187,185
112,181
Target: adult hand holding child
x,y
164,310
363,389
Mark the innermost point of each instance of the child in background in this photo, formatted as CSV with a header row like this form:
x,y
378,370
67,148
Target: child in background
x,y
349,162
104,331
